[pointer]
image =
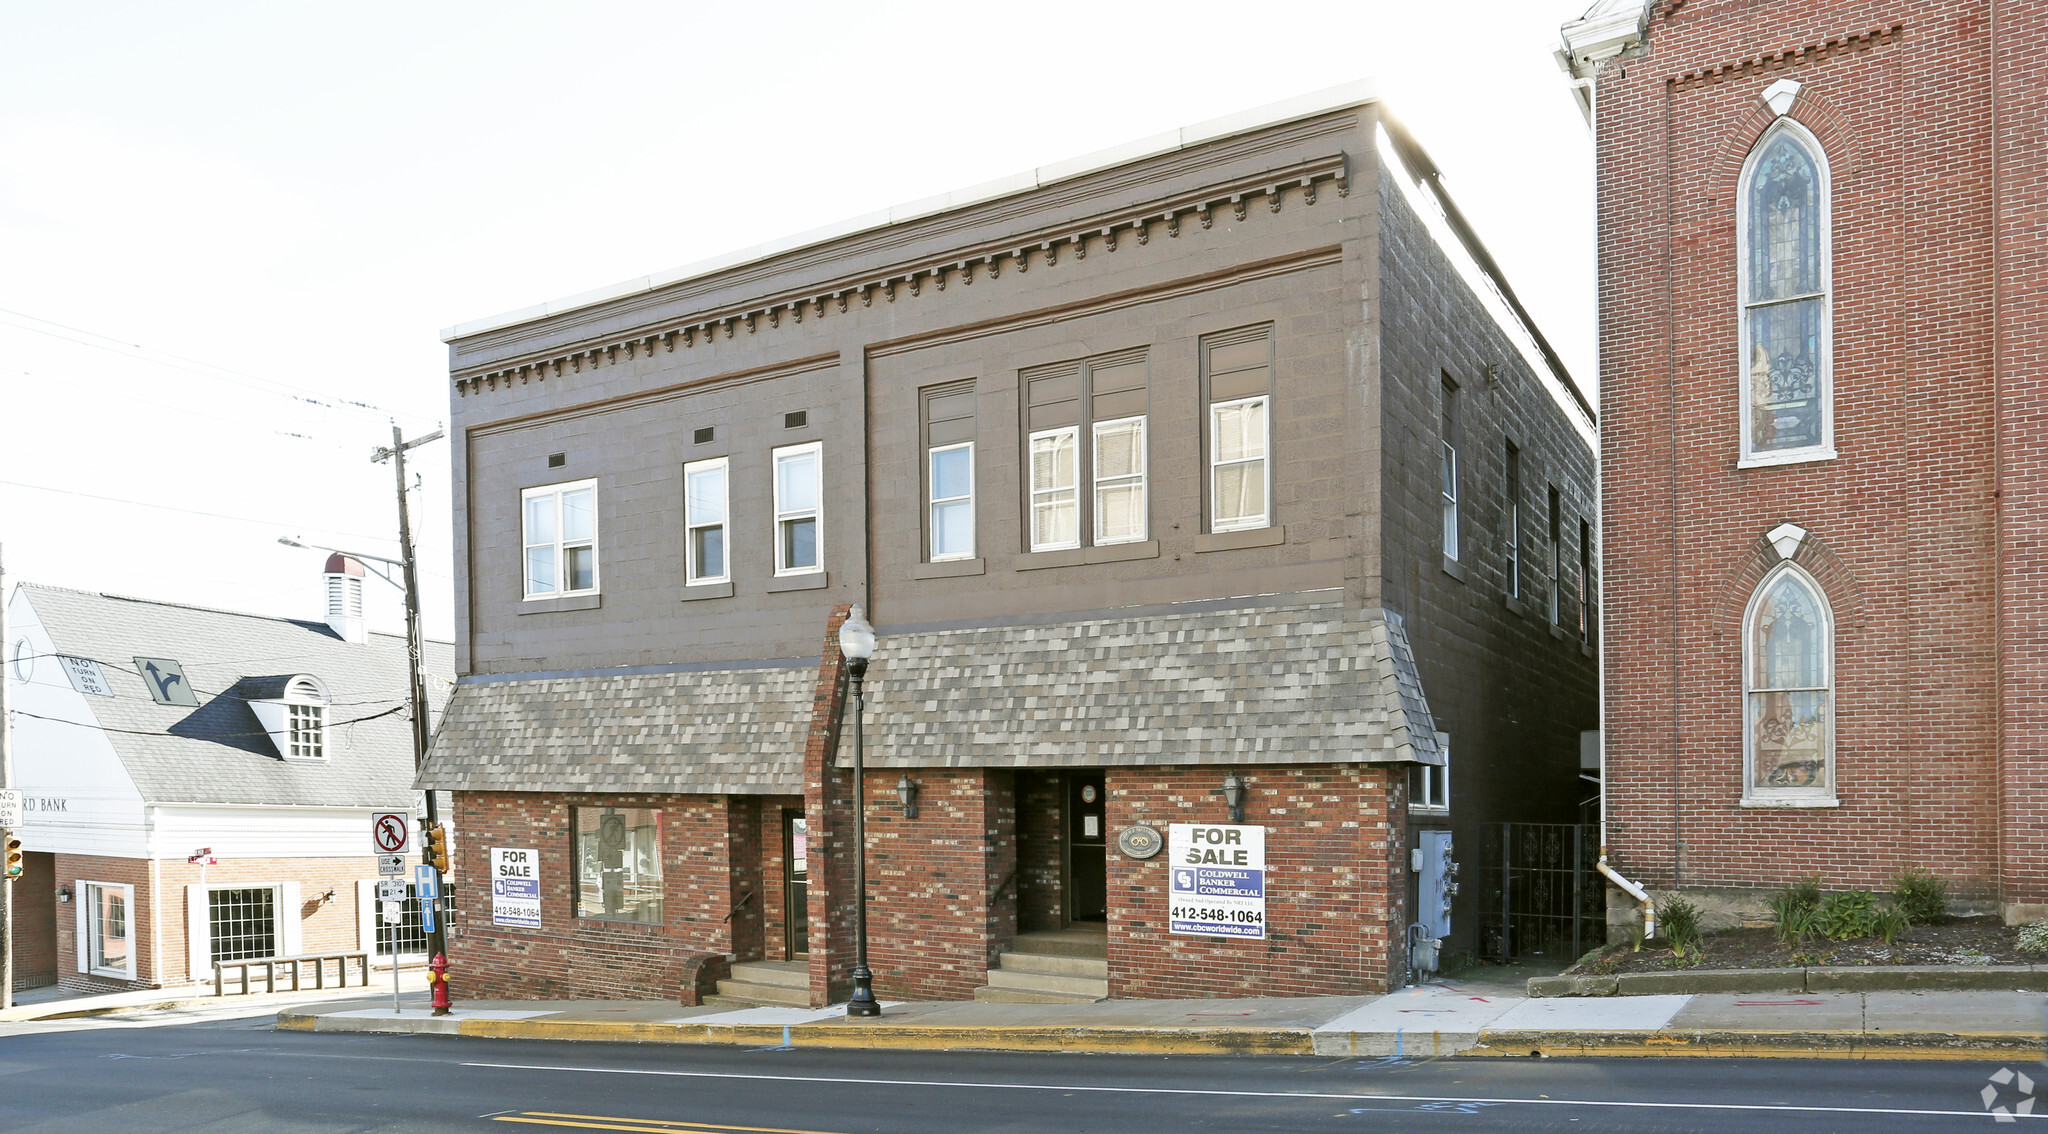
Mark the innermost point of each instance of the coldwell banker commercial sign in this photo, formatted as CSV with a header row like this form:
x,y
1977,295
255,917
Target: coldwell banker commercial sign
x,y
1218,880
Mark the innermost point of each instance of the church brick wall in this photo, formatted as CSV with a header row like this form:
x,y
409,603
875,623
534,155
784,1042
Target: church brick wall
x,y
1931,516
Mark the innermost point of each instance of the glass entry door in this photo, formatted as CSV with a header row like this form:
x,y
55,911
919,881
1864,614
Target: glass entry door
x,y
796,920
1087,867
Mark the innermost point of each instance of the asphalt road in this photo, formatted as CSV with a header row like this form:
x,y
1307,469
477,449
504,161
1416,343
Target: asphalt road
x,y
211,1071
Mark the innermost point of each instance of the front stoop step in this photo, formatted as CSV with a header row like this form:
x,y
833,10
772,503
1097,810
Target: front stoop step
x,y
756,984
1057,969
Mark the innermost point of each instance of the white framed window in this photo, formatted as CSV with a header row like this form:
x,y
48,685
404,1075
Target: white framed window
x,y
308,728
106,929
1784,281
560,537
705,499
408,937
1119,451
798,487
239,921
1788,688
1429,785
1450,500
1239,477
950,475
295,716
1055,489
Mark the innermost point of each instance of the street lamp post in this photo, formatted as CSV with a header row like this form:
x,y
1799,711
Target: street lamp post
x,y
857,645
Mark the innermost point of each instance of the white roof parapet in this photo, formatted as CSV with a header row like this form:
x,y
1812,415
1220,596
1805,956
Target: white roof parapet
x,y
1358,93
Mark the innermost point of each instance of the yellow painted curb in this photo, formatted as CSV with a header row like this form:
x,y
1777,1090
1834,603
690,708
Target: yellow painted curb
x,y
913,1037
1769,1045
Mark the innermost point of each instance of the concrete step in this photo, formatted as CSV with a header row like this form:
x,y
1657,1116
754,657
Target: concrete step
x,y
994,995
1055,964
1048,982
785,974
1073,942
748,993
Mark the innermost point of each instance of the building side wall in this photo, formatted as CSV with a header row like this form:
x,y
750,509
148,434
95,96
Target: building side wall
x,y
35,922
1903,524
1511,687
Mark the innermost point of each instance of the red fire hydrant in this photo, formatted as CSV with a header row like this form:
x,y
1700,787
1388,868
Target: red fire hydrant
x,y
437,975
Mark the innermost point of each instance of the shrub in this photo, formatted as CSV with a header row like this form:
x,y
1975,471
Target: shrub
x,y
1793,909
1922,895
1851,913
1680,921
2034,938
1890,923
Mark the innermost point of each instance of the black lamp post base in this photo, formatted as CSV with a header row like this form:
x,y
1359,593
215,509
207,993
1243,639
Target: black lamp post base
x,y
863,1004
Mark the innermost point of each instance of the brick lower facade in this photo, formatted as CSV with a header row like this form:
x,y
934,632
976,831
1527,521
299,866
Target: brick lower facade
x,y
942,903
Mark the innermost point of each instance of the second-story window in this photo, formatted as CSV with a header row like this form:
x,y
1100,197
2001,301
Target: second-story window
x,y
1784,277
1055,499
560,536
1120,480
704,508
1556,559
1450,469
1585,580
1237,385
1085,445
1513,489
797,490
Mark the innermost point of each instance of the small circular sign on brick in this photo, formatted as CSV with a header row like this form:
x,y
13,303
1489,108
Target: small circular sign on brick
x,y
1139,841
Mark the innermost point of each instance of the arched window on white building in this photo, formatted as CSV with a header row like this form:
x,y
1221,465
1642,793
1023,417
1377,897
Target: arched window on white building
x,y
1788,682
1783,227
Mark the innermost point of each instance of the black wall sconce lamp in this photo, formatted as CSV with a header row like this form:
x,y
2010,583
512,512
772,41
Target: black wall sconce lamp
x,y
64,893
327,898
1233,794
906,794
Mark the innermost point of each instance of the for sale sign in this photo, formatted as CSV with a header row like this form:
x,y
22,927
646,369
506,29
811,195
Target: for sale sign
x,y
515,887
1218,880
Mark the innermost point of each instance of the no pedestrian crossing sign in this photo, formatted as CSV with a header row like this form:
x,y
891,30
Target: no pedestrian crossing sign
x,y
389,832
1217,874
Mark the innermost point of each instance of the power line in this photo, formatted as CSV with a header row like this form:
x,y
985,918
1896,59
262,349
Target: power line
x,y
208,370
187,511
398,708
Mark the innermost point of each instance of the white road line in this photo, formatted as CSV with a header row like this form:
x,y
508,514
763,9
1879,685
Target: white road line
x,y
1319,1096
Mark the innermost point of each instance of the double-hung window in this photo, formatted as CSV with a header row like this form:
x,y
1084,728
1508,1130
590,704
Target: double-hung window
x,y
1085,448
1449,471
1120,480
107,943
952,501
1237,465
560,526
1055,492
1237,389
948,431
798,489
704,519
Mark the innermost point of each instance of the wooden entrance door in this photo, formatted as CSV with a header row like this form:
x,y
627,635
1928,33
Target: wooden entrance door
x,y
1087,880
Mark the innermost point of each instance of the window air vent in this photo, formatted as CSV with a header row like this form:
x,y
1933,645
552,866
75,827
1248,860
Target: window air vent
x,y
796,420
703,436
557,460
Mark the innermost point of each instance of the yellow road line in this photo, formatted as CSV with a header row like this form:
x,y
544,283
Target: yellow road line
x,y
658,1125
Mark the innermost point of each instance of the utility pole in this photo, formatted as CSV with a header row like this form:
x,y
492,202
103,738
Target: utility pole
x,y
6,782
437,938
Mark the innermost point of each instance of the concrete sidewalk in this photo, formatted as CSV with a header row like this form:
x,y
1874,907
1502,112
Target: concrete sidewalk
x,y
1440,1019
52,1003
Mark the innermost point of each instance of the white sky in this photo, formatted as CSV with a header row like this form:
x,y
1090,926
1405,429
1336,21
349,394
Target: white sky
x,y
224,228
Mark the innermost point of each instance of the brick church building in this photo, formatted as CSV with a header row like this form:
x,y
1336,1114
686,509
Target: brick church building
x,y
1825,524
1221,468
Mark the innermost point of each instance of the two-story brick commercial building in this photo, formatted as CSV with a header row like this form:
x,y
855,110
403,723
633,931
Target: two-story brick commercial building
x,y
1223,460
1821,365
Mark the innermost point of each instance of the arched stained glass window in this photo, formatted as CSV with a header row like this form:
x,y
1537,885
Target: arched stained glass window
x,y
1787,411
1789,643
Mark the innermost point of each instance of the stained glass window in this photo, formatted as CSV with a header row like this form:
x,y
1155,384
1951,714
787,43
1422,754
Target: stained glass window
x,y
1785,300
1790,715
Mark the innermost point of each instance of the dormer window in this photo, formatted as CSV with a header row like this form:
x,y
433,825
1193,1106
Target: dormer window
x,y
293,710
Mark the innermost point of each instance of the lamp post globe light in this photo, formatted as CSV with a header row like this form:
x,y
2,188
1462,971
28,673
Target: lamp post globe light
x,y
857,645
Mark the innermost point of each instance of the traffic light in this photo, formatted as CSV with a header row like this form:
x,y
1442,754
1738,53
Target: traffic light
x,y
437,847
14,856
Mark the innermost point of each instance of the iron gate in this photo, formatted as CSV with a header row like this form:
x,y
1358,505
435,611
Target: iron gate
x,y
1539,894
